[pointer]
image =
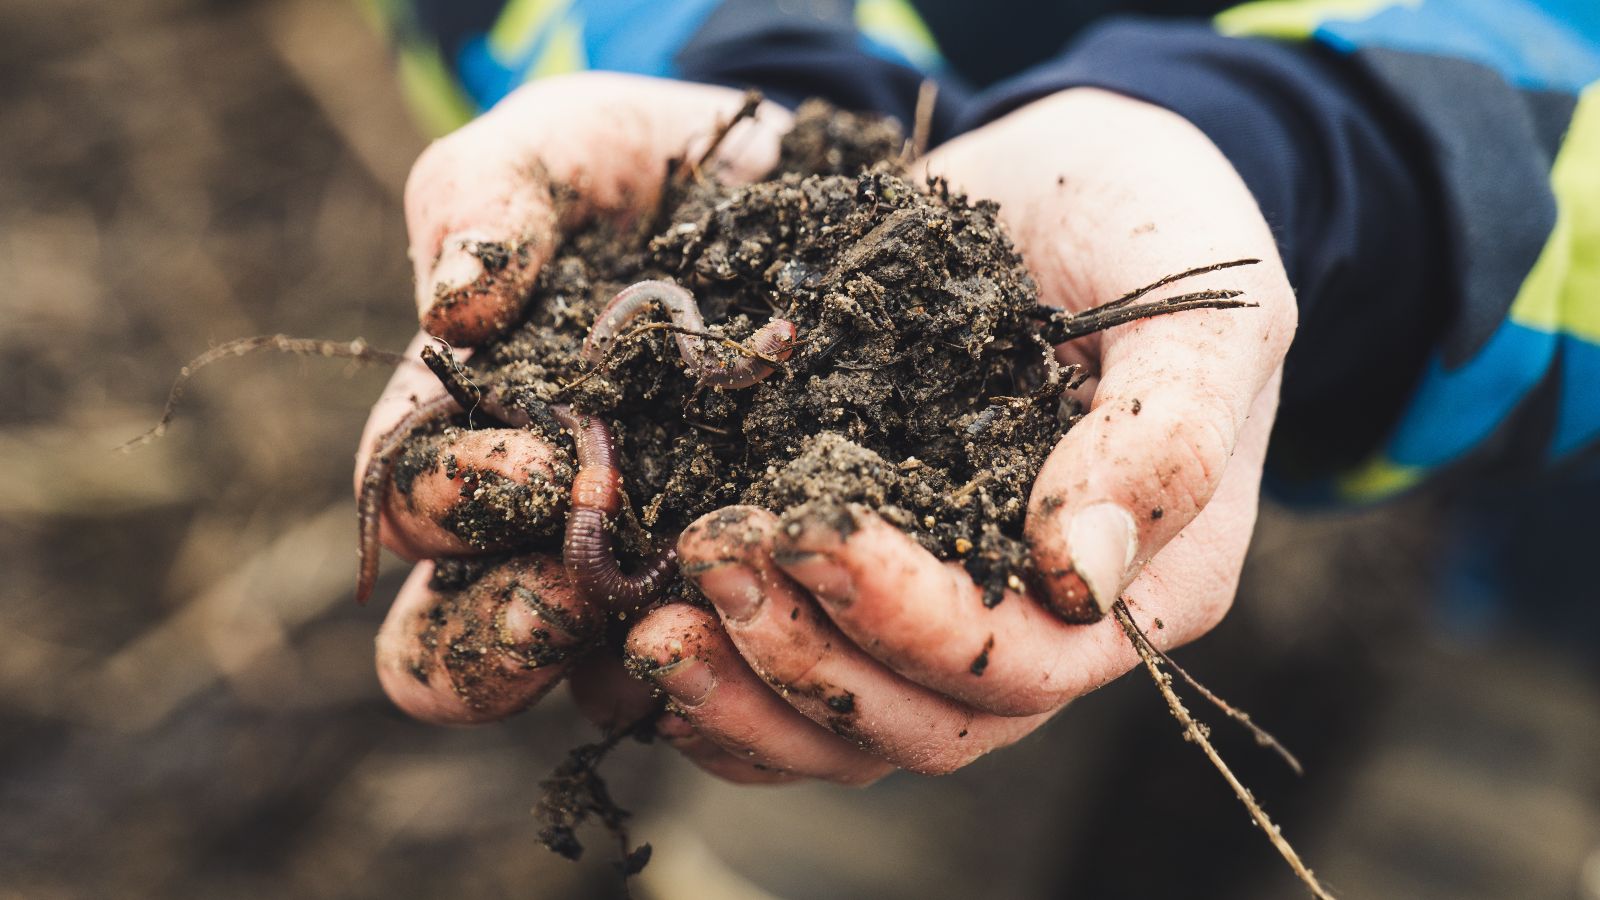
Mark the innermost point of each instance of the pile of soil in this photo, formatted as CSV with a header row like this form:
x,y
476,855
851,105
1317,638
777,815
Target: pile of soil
x,y
918,386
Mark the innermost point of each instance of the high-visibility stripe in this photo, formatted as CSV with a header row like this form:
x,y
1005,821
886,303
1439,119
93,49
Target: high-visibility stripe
x,y
1295,19
520,24
898,25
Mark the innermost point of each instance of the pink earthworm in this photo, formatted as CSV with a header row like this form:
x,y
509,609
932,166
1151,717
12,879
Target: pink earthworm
x,y
596,496
375,483
462,395
773,340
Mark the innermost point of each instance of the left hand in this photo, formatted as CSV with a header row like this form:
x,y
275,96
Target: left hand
x,y
868,648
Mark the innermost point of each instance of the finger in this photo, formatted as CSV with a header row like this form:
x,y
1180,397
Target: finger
x,y
1191,583
926,619
461,492
1141,464
486,651
1189,586
611,698
683,650
793,646
607,694
481,205
710,756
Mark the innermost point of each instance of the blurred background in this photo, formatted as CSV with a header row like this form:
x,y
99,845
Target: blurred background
x,y
187,702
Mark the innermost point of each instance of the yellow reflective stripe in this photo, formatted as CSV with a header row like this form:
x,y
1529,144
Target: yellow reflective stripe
x,y
436,100
1562,290
897,23
1378,479
520,24
563,54
1296,19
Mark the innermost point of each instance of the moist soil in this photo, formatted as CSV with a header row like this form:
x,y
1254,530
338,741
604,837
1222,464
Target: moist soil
x,y
918,385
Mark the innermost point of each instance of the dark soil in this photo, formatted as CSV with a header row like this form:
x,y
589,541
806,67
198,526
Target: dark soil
x,y
919,386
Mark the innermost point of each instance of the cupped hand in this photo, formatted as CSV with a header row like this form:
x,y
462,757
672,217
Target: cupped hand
x,y
485,208
846,649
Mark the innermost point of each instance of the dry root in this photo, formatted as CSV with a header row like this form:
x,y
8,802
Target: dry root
x,y
1197,734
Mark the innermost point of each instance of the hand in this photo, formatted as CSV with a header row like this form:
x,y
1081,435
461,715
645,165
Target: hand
x,y
483,214
1152,496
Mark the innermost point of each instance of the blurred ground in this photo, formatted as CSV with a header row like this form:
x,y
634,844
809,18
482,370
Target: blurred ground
x,y
187,706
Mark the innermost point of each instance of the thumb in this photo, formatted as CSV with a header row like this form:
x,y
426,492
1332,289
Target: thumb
x,y
1174,394
485,206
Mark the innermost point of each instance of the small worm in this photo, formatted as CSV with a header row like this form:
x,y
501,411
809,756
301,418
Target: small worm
x,y
380,466
375,482
773,340
587,551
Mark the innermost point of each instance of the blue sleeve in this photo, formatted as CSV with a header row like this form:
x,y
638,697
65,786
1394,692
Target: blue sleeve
x,y
1431,171
867,55
1344,190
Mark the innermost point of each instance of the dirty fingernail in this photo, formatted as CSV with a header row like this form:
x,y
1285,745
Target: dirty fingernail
x,y
1103,540
820,574
688,680
807,549
734,589
459,263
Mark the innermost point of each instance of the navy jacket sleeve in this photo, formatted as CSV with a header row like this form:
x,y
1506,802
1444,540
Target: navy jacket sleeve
x,y
1345,190
1432,173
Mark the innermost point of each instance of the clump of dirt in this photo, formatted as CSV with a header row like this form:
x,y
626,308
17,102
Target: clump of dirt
x,y
919,384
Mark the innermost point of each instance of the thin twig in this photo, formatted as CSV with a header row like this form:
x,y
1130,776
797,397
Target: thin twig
x,y
921,123
442,363
1195,732
962,493
280,343
684,169
1263,737
1187,273
1063,327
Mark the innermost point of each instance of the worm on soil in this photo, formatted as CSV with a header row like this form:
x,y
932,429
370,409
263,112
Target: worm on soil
x,y
773,340
590,559
461,396
375,482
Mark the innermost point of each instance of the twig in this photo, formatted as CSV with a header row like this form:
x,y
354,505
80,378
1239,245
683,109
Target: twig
x,y
442,363
1063,326
684,168
1194,732
1187,273
1263,737
921,123
281,343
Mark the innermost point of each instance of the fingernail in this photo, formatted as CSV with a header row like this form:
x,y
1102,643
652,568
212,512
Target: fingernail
x,y
1103,540
806,550
459,264
688,680
820,574
734,589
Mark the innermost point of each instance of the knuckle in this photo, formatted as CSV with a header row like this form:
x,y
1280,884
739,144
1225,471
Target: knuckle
x,y
1194,449
435,160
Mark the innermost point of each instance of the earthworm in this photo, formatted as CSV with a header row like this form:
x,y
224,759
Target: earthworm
x,y
772,341
375,480
462,395
596,499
